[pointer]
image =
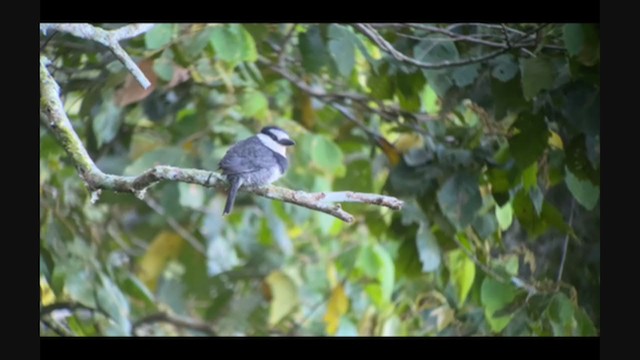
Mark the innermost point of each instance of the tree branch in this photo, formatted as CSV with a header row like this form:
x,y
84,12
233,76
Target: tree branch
x,y
385,46
174,320
52,114
109,39
565,245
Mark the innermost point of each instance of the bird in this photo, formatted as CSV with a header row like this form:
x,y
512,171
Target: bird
x,y
256,161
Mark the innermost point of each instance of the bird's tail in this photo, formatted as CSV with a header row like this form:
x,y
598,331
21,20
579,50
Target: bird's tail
x,y
235,185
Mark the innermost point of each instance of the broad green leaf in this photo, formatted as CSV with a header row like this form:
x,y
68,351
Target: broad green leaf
x,y
159,36
581,108
79,284
254,103
460,199
111,299
494,296
537,74
163,67
337,306
408,261
107,122
577,161
326,154
560,312
504,214
527,214
583,42
313,50
466,75
584,191
537,198
584,326
381,84
434,52
529,144
530,176
463,272
485,225
191,195
284,296
386,273
342,49
232,43
136,289
504,67
164,246
428,249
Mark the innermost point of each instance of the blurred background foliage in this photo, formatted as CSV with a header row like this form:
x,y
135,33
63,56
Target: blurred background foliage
x,y
498,161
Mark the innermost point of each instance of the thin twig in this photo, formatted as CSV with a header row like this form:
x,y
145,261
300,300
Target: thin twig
x,y
283,46
503,27
565,246
180,322
385,46
109,39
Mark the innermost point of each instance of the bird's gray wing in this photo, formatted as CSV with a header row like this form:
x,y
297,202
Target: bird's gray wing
x,y
247,156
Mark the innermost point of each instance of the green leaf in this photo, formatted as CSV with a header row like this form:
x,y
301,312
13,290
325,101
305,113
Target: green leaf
x,y
435,51
582,41
529,144
285,296
159,36
584,191
560,312
408,260
382,85
508,97
504,215
342,49
504,67
537,198
136,289
530,176
585,326
357,178
164,68
428,249
460,199
581,108
79,285
166,156
326,154
494,296
527,214
465,75
232,43
253,103
485,225
313,50
386,273
537,74
107,122
111,299
463,272
578,161
376,263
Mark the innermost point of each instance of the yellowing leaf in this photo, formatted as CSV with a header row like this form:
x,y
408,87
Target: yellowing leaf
x,y
47,297
332,274
165,246
294,232
284,296
556,141
337,306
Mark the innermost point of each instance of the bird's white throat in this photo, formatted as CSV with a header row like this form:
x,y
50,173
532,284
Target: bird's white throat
x,y
268,142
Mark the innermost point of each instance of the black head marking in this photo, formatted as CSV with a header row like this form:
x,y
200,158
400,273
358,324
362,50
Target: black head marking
x,y
267,130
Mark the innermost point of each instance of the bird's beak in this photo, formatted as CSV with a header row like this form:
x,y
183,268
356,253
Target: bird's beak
x,y
287,142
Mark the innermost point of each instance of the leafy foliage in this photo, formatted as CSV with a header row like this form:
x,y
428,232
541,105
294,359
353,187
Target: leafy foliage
x,y
489,157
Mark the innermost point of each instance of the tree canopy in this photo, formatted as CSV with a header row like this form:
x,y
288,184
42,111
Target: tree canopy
x,y
475,145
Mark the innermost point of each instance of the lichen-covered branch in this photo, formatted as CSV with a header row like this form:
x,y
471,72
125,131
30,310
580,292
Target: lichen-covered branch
x,y
53,114
109,39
